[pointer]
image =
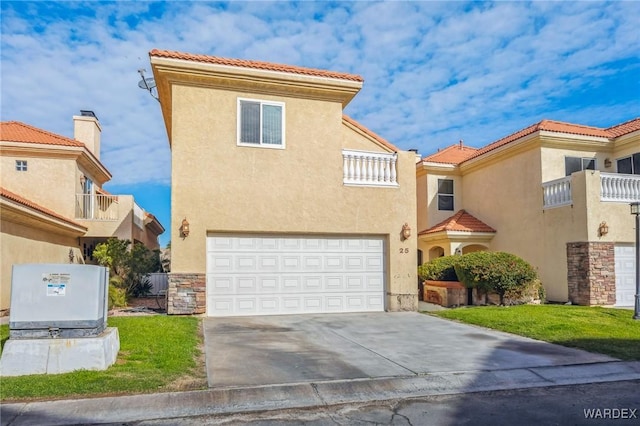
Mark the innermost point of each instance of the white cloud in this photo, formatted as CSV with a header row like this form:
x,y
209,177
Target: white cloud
x,y
434,72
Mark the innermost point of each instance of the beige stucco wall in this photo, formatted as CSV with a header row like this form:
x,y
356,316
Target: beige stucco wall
x,y
617,215
221,187
435,216
47,181
22,244
422,202
507,195
625,146
553,161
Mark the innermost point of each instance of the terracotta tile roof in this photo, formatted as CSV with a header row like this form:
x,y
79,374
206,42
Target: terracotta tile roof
x,y
27,203
15,131
625,128
242,63
461,221
560,127
371,134
454,154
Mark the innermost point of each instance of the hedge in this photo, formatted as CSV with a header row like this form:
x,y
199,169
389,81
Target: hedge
x,y
439,269
494,271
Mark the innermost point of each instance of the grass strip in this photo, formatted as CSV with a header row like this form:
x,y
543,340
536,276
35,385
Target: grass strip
x,y
608,331
154,352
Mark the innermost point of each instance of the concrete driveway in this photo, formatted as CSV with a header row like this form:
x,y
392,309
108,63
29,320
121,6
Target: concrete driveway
x,y
270,350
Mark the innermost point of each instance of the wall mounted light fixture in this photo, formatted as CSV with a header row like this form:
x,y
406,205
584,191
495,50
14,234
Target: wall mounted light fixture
x,y
184,229
607,163
406,231
603,229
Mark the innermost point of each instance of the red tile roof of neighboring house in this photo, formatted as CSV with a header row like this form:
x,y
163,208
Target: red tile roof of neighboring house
x,y
21,200
625,128
15,131
461,221
242,63
454,154
371,134
547,125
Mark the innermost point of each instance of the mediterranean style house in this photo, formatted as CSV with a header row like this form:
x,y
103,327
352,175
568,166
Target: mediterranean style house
x,y
53,207
281,203
556,194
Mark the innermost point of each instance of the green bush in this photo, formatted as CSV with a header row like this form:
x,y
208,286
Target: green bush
x,y
494,271
439,269
117,297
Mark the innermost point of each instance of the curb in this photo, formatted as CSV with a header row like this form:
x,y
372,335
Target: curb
x,y
306,395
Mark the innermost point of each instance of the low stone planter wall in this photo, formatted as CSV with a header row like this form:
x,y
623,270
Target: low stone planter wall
x,y
453,293
445,293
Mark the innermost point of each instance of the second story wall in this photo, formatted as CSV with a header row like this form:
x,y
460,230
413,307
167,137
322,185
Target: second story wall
x,y
48,181
507,195
220,186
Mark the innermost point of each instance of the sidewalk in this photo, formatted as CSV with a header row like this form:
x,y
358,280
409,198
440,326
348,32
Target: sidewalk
x,y
305,395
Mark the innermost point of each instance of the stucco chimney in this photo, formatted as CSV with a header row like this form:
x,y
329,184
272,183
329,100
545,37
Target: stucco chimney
x,y
86,129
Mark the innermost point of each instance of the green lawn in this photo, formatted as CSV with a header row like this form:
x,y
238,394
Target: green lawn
x,y
603,330
157,353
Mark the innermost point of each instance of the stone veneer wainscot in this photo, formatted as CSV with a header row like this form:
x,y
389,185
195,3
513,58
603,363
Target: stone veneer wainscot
x,y
591,273
186,294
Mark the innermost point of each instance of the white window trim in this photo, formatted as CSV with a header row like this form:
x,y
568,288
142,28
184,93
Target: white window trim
x,y
22,165
260,145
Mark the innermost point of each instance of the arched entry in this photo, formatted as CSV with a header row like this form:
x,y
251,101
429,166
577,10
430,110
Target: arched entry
x,y
435,252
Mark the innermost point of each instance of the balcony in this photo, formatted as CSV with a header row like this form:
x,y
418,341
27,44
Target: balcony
x,y
363,168
613,188
97,207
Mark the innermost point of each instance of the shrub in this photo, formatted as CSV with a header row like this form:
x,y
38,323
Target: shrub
x,y
494,271
117,297
439,269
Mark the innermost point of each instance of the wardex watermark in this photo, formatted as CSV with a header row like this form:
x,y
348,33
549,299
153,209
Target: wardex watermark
x,y
610,413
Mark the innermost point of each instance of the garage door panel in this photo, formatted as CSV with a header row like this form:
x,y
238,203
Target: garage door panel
x,y
261,275
625,267
311,283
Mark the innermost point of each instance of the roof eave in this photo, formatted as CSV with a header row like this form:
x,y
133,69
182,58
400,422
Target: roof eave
x,y
28,216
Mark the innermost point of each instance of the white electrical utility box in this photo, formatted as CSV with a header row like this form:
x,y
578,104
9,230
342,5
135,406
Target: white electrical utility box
x,y
58,301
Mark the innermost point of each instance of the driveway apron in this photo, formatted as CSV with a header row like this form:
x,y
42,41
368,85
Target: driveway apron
x,y
271,350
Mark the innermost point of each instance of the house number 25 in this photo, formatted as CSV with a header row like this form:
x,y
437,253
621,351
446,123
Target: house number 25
x,y
404,250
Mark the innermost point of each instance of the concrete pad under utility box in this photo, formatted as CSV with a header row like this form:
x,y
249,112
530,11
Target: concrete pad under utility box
x,y
22,357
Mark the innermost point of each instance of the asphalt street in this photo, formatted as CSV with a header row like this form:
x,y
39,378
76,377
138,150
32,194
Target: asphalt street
x,y
612,403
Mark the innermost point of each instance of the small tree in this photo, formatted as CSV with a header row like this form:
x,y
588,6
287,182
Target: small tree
x,y
128,265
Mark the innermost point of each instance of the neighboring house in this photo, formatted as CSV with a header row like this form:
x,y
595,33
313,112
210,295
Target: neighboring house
x,y
54,209
556,194
280,203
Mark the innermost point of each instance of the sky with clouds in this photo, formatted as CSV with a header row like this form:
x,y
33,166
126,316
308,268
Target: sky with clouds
x,y
435,72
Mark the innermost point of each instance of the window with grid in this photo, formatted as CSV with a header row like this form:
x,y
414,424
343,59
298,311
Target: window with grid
x,y
260,123
21,165
445,194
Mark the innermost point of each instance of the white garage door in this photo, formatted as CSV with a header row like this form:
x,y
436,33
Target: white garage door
x,y
625,255
271,275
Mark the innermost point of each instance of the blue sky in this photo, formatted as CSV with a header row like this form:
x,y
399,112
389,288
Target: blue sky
x,y
435,72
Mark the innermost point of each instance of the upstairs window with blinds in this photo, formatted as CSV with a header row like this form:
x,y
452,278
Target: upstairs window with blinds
x,y
260,123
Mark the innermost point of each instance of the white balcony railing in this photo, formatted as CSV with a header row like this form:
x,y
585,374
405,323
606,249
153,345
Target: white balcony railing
x,y
615,187
619,187
96,207
369,168
557,193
